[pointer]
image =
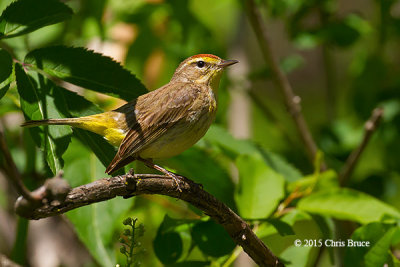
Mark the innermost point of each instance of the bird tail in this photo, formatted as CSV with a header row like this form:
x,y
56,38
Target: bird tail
x,y
34,123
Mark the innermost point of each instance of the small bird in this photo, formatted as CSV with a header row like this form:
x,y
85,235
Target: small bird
x,y
162,123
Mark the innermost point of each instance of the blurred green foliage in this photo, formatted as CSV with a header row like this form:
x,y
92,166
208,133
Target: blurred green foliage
x,y
341,59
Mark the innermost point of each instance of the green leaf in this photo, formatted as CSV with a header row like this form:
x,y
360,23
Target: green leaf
x,y
6,72
318,181
347,204
281,226
190,263
326,227
287,220
24,16
377,252
212,239
20,246
95,224
232,147
6,65
4,90
260,187
187,164
88,69
173,240
378,255
296,256
37,102
280,165
71,104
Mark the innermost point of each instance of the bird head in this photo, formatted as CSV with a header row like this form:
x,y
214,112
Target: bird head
x,y
202,69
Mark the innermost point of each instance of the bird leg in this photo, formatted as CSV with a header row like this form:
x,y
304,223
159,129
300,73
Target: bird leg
x,y
149,163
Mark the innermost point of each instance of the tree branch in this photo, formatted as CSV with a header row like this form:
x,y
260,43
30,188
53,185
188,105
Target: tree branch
x,y
370,126
132,185
292,101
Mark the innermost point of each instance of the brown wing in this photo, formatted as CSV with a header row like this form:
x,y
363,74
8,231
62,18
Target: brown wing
x,y
150,116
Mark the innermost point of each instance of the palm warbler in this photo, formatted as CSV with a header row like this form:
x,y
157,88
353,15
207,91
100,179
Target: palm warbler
x,y
162,123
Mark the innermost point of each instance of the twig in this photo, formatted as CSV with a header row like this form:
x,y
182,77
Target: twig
x,y
370,126
292,101
12,172
132,185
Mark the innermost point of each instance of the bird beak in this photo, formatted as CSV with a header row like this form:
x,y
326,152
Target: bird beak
x,y
226,63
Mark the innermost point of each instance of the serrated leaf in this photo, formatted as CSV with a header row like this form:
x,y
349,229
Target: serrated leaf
x,y
95,224
347,204
24,16
38,103
88,69
260,187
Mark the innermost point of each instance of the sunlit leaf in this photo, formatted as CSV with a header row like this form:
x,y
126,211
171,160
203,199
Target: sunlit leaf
x,y
88,69
24,16
260,187
296,256
347,204
318,181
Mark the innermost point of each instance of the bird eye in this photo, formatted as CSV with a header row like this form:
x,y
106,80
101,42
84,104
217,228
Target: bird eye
x,y
200,63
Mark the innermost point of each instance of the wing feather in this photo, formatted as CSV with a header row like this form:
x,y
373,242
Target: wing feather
x,y
150,116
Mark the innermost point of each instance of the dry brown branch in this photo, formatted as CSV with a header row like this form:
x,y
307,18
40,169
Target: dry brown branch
x,y
132,185
370,126
292,101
